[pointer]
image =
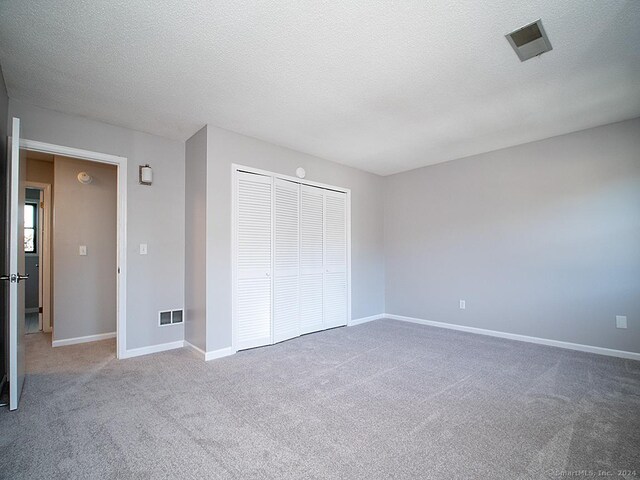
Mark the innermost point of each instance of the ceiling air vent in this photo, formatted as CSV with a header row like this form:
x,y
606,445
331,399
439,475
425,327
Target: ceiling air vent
x,y
529,41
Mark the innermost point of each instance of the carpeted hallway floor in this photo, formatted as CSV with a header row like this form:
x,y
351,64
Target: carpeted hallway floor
x,y
380,400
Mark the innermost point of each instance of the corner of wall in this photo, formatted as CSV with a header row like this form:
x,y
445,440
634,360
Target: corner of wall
x,y
195,279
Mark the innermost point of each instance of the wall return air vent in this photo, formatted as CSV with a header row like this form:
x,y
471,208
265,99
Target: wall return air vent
x,y
529,41
169,317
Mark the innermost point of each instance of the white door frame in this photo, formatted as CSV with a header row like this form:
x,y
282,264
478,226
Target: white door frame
x,y
235,168
121,163
44,246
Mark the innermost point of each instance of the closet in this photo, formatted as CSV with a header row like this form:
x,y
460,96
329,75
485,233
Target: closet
x,y
291,257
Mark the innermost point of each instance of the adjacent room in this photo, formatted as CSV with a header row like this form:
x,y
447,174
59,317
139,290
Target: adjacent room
x,y
285,240
77,285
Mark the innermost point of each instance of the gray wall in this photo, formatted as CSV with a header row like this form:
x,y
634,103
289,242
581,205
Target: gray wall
x,y
31,261
155,214
4,118
195,239
367,276
539,239
542,239
84,299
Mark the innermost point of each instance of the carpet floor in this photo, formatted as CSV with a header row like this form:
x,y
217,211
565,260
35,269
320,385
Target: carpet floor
x,y
380,400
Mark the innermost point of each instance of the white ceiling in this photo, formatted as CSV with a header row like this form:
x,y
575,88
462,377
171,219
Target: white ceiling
x,y
378,85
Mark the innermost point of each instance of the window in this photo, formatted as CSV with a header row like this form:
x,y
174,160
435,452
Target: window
x,y
30,224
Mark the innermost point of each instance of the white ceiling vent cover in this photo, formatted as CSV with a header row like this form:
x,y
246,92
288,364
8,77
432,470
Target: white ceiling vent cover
x,y
529,41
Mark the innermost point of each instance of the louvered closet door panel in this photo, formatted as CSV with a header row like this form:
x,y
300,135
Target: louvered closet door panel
x,y
286,307
311,258
253,260
335,259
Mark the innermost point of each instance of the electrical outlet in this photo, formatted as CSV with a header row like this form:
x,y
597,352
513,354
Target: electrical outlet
x,y
463,304
82,250
621,321
143,249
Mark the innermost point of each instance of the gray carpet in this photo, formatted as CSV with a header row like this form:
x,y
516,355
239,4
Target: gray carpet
x,y
381,400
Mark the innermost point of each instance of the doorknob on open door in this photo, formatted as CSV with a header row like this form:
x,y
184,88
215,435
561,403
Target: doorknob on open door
x,y
13,278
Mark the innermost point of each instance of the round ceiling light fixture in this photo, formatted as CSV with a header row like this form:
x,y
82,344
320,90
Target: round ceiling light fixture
x,y
300,172
84,178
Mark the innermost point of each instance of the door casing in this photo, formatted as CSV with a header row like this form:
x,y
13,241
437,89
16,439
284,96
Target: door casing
x,y
121,163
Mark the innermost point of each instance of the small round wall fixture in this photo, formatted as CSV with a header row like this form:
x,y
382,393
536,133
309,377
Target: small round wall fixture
x,y
300,172
84,178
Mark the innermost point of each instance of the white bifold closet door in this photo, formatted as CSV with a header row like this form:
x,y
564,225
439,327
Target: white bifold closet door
x,y
335,298
291,253
311,258
286,261
253,260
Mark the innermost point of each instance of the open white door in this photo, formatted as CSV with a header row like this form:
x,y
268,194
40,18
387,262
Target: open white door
x,y
15,277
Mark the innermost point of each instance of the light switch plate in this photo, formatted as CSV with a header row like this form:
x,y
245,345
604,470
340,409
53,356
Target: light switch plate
x,y
463,304
82,250
143,249
621,321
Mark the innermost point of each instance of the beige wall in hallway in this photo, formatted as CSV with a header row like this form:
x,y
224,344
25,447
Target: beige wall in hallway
x,y
84,298
40,171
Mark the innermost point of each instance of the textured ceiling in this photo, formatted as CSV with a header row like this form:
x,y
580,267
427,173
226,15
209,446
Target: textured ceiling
x,y
378,85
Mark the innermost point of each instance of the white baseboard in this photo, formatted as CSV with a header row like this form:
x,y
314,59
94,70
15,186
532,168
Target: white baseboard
x,y
223,352
136,352
358,321
521,338
88,338
198,350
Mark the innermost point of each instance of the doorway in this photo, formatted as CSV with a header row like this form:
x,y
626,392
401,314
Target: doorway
x,y
34,246
77,285
84,289
38,218
15,251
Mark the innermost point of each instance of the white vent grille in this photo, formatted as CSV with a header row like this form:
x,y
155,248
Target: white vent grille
x,y
529,41
170,317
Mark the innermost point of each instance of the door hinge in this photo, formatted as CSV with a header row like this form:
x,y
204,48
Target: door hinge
x,y
40,310
41,204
